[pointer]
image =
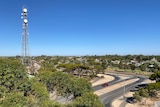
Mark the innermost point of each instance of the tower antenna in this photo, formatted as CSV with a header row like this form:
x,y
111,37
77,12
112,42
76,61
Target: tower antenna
x,y
25,49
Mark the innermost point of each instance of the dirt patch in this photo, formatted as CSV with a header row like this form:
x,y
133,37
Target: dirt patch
x,y
146,102
106,78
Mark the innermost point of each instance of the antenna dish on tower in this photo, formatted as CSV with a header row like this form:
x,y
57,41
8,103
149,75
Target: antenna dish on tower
x,y
25,21
24,10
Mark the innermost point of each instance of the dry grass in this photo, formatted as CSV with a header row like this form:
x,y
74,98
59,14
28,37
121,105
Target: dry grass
x,y
139,72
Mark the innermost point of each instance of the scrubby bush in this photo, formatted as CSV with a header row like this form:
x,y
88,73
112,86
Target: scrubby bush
x,y
137,96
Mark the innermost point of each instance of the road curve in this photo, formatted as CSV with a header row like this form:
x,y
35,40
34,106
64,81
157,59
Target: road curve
x,y
98,87
116,81
107,98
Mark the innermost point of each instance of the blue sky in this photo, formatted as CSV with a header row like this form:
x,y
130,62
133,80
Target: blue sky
x,y
81,27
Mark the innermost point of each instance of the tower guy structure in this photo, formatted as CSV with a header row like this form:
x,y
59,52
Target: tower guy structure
x,y
25,48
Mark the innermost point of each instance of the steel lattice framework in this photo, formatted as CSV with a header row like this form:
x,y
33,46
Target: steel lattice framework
x,y
25,49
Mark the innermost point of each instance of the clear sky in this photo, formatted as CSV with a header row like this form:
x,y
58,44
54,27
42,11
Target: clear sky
x,y
81,27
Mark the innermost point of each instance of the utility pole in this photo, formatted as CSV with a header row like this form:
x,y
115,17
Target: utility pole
x,y
124,89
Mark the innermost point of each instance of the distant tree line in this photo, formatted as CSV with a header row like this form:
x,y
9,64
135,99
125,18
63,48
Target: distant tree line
x,y
98,64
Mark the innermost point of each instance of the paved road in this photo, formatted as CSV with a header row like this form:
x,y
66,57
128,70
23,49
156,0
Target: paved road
x,y
115,81
109,97
98,87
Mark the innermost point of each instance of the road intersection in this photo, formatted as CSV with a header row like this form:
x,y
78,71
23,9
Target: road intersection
x,y
121,84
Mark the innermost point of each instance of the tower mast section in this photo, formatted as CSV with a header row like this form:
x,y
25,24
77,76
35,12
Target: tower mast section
x,y
25,48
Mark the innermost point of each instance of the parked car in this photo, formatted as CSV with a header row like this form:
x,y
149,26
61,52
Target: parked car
x,y
131,100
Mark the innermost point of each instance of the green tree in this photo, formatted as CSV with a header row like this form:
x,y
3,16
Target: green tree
x,y
139,58
133,67
87,100
14,99
81,85
98,69
71,68
155,76
32,101
137,96
58,82
121,65
64,84
143,67
39,91
104,64
144,92
12,75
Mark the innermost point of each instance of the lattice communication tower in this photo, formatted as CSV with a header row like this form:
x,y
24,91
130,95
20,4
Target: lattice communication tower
x,y
25,48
